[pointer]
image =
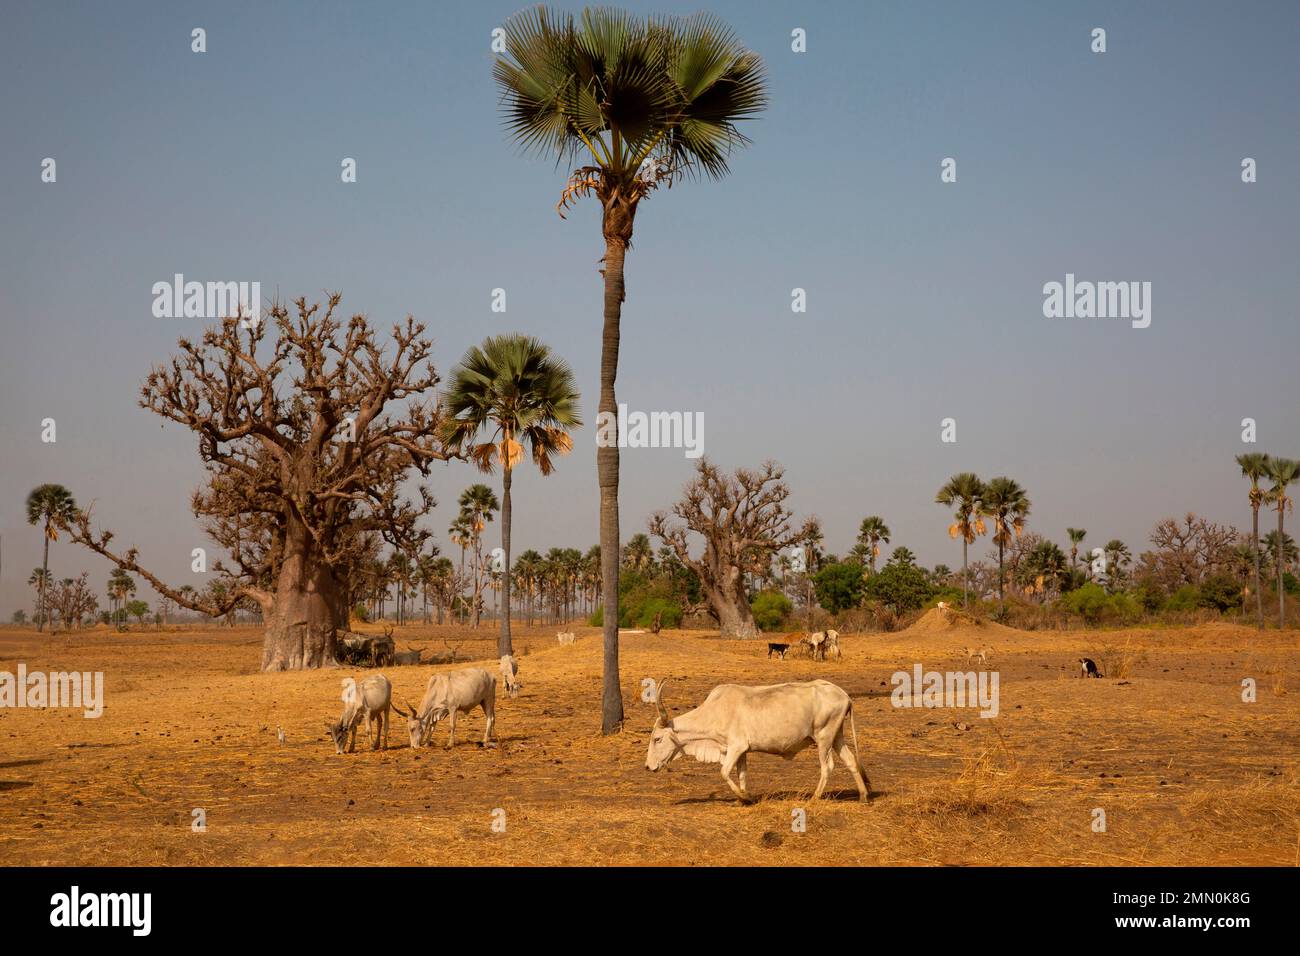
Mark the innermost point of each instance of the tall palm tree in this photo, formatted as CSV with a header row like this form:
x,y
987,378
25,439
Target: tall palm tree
x,y
964,492
1076,536
518,394
871,534
644,101
1281,472
478,503
1008,505
54,505
1255,467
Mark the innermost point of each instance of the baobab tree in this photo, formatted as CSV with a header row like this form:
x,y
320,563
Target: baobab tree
x,y
743,522
646,101
306,449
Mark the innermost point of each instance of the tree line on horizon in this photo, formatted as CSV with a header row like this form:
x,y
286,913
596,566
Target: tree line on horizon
x,y
782,576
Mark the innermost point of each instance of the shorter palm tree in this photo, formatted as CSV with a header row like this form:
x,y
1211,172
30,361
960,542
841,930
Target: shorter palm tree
x,y
515,392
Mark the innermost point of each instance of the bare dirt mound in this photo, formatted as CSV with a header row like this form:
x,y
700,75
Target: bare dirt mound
x,y
944,621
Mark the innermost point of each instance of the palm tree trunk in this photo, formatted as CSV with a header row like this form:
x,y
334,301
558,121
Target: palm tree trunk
x,y
1259,597
45,577
504,646
1001,573
1281,593
611,710
965,574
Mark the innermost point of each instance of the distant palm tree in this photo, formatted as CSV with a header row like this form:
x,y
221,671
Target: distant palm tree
x,y
1281,472
963,492
872,533
645,100
1044,567
527,569
40,580
638,554
54,505
1006,502
1117,558
478,503
1076,536
461,533
120,586
516,392
1255,467
1287,549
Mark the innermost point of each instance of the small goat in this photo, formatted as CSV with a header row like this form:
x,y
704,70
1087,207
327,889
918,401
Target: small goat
x,y
371,699
777,649
1089,667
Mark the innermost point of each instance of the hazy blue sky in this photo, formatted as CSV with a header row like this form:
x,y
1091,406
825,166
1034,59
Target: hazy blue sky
x,y
924,299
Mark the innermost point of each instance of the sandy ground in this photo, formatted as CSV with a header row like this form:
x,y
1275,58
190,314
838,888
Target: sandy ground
x,y
1184,770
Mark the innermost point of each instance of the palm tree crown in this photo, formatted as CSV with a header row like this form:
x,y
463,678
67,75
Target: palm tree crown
x,y
658,93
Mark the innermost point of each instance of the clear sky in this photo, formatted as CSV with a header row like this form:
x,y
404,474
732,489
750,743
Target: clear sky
x,y
924,299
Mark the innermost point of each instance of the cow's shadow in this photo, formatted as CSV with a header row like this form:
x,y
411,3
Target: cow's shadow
x,y
849,795
14,785
22,763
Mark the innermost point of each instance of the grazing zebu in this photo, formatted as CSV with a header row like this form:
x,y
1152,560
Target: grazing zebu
x,y
783,719
448,695
370,699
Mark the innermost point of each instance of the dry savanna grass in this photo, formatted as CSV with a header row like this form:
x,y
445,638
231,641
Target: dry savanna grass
x,y
1184,770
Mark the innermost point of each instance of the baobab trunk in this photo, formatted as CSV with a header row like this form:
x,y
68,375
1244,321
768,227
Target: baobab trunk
x,y
735,617
303,614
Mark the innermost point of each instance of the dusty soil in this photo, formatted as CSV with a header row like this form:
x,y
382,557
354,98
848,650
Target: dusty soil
x,y
1185,771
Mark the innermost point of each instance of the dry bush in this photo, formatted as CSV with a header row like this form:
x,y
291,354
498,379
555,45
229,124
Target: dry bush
x,y
1119,663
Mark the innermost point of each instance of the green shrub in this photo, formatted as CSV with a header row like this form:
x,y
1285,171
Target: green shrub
x,y
900,587
1090,602
1186,598
839,586
1220,592
770,609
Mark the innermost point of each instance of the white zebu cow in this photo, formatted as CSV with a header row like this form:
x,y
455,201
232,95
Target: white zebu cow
x,y
783,719
370,699
510,675
448,695
565,637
